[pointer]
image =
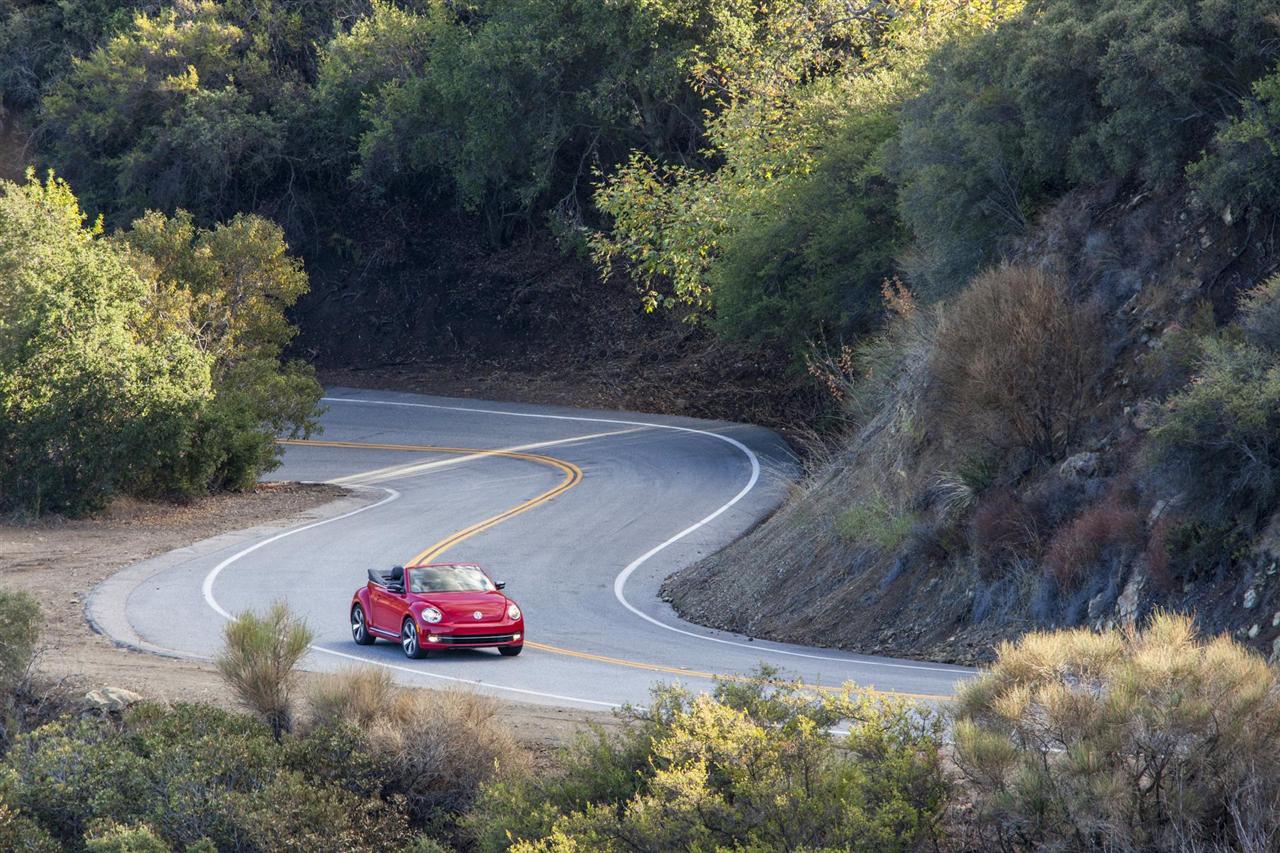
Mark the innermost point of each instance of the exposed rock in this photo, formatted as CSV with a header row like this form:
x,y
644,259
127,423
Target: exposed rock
x,y
1250,598
1130,596
1082,466
1275,620
1097,606
1254,630
1275,650
110,699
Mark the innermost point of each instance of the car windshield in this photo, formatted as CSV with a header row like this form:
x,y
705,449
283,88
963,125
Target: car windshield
x,y
449,579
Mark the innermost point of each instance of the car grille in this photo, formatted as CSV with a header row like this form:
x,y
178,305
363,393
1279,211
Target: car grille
x,y
475,639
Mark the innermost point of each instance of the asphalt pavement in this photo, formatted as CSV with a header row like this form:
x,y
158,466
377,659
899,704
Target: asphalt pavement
x,y
582,513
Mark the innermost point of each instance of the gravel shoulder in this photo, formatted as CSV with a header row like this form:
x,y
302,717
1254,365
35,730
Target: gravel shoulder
x,y
61,561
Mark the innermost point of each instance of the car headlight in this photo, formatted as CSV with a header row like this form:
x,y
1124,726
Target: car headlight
x,y
430,614
513,612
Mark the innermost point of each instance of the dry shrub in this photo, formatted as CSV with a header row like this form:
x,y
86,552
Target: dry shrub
x,y
1157,554
1003,529
1156,739
1108,529
258,661
1016,362
440,746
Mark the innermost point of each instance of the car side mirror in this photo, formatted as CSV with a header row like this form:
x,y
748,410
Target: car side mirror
x,y
499,584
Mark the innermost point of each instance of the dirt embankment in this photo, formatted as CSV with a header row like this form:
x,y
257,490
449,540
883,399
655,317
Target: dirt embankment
x,y
60,562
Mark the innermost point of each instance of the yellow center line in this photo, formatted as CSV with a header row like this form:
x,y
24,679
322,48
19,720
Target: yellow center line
x,y
573,476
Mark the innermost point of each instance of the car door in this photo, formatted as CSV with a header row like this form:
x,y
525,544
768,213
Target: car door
x,y
387,607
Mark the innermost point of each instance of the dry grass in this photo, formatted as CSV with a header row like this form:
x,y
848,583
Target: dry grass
x,y
440,745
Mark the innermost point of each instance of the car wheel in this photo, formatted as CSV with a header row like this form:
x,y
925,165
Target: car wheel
x,y
510,651
409,641
360,628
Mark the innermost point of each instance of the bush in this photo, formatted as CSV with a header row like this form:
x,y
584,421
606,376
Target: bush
x,y
1241,170
1143,740
1016,362
1003,529
1218,441
1260,315
875,523
197,776
19,631
94,393
754,767
21,834
438,748
114,838
258,662
1105,531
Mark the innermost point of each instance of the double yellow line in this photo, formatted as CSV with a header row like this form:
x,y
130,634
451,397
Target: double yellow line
x,y
573,476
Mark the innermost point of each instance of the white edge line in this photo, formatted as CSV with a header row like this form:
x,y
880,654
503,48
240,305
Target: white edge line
x,y
620,582
392,494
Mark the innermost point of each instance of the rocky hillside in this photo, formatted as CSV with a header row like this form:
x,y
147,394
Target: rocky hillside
x,y
914,540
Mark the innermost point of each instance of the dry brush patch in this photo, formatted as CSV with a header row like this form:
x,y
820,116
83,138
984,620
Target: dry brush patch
x,y
440,747
1124,740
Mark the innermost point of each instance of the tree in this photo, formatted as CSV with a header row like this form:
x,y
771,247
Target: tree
x,y
232,285
94,393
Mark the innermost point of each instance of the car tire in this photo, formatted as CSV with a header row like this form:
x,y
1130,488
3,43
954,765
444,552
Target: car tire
x,y
360,627
409,641
510,651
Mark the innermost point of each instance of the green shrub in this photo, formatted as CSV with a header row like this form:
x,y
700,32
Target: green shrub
x,y
754,767
875,523
194,775
1145,740
234,282
21,834
258,661
1016,363
19,631
114,838
1241,171
1218,440
1260,315
94,393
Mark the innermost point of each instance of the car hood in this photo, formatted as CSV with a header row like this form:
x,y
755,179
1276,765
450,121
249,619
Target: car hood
x,y
462,606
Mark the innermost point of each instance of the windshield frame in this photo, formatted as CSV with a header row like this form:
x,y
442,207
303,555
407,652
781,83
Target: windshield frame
x,y
462,570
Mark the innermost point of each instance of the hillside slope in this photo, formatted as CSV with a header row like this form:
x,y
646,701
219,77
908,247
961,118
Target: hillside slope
x,y
894,547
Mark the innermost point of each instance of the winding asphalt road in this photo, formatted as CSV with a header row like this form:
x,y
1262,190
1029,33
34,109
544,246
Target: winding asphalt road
x,y
581,513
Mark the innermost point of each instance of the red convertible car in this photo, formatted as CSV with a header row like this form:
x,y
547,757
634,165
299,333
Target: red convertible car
x,y
436,606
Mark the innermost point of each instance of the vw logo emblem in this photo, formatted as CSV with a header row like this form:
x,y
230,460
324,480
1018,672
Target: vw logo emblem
x,y
475,615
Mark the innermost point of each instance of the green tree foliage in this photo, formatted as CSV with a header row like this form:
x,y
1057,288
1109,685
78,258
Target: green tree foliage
x,y
233,284
1219,439
754,767
1241,171
503,110
183,108
94,393
1147,740
788,228
1065,93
